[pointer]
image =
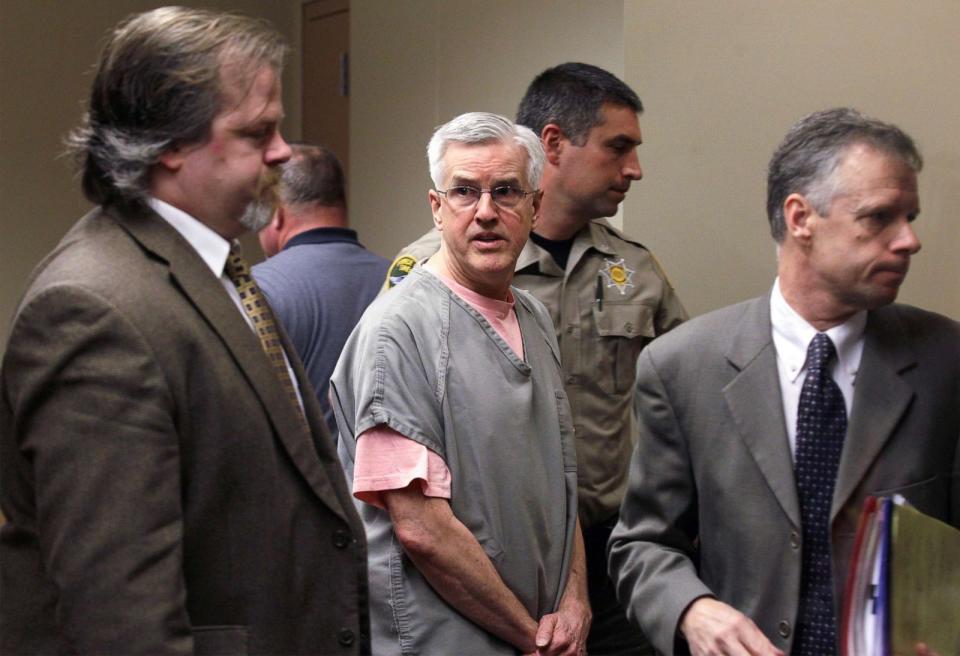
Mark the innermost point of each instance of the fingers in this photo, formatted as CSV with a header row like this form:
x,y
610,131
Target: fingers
x,y
712,627
545,630
565,635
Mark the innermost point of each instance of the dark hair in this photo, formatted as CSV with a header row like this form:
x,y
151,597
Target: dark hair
x,y
159,85
807,159
571,95
312,176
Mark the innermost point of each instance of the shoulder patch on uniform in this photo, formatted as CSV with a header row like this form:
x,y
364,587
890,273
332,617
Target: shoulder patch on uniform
x,y
399,269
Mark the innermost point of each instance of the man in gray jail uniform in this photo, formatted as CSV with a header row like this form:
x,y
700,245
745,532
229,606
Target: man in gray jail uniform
x,y
455,427
606,293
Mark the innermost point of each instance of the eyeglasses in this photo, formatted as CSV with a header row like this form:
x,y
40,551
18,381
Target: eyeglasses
x,y
465,197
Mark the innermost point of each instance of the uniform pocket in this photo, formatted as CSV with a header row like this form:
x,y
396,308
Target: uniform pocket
x,y
219,640
623,328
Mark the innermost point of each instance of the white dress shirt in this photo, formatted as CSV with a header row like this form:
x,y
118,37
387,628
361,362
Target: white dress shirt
x,y
791,337
214,250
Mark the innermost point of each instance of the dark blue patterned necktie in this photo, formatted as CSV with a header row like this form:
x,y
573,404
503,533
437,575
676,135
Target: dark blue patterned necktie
x,y
821,427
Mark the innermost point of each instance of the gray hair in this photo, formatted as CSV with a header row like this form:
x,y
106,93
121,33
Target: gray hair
x,y
478,128
807,159
159,84
312,176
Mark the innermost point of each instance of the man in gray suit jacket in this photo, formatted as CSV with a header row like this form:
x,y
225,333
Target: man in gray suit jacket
x,y
717,545
168,488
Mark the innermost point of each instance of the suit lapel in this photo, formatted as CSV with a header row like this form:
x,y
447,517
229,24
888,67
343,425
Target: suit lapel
x,y
334,480
880,398
207,295
755,402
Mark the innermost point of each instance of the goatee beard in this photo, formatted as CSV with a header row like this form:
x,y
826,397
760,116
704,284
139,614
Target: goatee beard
x,y
257,215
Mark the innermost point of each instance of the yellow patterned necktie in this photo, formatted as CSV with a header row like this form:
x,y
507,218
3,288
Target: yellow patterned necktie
x,y
264,324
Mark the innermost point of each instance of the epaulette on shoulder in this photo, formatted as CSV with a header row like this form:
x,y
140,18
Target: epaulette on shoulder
x,y
617,233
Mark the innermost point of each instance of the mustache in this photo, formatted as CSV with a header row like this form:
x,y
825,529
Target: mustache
x,y
268,186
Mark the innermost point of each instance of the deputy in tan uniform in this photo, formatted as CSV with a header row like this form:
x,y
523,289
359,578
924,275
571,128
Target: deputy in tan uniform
x,y
606,293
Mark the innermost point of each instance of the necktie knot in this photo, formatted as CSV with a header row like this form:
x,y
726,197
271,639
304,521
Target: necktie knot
x,y
236,267
820,352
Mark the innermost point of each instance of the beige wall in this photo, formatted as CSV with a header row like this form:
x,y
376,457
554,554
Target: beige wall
x,y
413,68
47,50
722,82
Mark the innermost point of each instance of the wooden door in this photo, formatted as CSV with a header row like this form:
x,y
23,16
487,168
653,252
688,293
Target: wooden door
x,y
326,76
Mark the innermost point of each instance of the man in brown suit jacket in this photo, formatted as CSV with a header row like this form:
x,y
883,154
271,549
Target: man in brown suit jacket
x,y
163,493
